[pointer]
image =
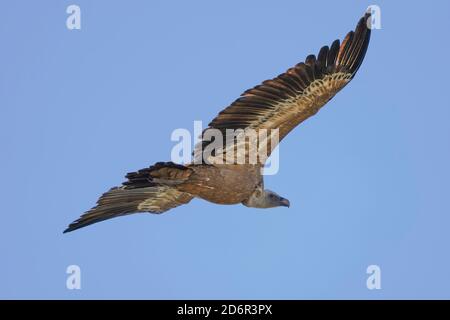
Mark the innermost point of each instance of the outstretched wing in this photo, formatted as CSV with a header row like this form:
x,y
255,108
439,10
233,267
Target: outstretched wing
x,y
287,100
148,190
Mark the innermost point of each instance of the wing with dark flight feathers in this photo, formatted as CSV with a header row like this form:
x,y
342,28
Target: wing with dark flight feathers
x,y
151,190
287,100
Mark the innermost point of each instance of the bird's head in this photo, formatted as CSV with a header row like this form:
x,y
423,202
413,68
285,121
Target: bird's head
x,y
272,199
266,199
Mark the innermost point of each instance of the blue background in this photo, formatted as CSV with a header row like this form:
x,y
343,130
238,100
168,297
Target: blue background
x,y
368,177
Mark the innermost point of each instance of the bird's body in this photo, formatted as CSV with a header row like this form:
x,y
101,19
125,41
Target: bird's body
x,y
281,103
223,184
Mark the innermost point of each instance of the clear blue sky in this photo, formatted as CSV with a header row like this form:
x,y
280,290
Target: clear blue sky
x,y
368,178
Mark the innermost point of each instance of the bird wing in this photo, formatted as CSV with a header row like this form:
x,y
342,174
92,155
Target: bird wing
x,y
151,190
287,100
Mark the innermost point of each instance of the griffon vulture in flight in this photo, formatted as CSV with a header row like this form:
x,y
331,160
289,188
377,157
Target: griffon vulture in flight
x,y
281,103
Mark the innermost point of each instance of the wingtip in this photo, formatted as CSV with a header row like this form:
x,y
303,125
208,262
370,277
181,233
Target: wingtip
x,y
73,226
68,229
367,18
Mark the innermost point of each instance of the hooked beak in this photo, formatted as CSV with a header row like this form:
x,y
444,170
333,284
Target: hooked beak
x,y
285,202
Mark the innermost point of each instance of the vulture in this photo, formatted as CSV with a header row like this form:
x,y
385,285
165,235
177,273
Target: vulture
x,y
281,103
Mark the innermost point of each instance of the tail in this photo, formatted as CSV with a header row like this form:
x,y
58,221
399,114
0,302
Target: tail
x,y
148,190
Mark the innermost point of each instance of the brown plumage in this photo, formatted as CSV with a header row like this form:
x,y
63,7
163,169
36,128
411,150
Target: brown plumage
x,y
281,103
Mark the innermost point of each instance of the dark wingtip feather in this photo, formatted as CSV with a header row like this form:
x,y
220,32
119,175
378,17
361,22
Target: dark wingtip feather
x,y
75,226
354,46
322,56
364,27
